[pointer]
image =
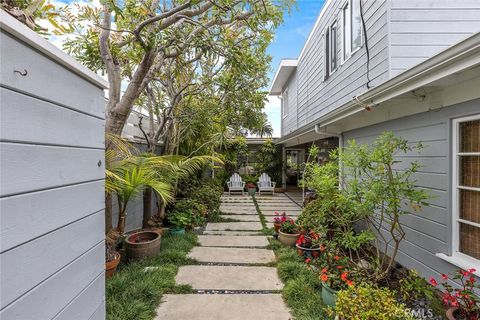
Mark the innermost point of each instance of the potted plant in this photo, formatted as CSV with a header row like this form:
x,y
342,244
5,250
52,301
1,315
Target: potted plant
x,y
180,220
462,302
308,244
251,188
112,259
288,232
278,220
334,274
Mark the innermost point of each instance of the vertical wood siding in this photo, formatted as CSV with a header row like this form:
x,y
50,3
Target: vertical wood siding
x,y
52,250
428,231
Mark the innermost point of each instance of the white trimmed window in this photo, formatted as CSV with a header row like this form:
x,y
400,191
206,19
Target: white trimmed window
x,y
285,103
352,28
466,189
330,50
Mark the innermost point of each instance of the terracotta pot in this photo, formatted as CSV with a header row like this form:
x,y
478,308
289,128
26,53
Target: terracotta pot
x,y
329,296
451,313
111,266
288,239
142,245
277,226
314,252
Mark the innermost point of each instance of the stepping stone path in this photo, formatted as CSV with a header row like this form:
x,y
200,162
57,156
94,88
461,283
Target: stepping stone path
x,y
233,280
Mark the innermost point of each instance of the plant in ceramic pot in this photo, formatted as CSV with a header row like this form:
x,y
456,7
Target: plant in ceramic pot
x,y
308,244
278,220
288,232
112,259
334,273
180,220
462,302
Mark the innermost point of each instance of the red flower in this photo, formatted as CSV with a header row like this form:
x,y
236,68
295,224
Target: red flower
x,y
324,277
339,267
433,282
336,258
308,260
324,270
472,270
350,283
322,247
344,276
444,276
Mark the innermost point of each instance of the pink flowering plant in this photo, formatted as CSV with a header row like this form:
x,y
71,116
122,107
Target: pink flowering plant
x,y
289,226
463,298
280,218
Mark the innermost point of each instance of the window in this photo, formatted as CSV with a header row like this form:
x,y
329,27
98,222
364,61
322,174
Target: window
x,y
330,54
466,188
285,103
352,28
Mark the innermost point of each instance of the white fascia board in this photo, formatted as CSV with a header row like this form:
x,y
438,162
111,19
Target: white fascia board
x,y
21,32
285,69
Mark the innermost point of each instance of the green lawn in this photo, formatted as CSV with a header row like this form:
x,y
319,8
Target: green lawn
x,y
133,294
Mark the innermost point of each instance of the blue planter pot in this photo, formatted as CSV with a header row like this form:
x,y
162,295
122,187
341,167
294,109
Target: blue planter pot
x,y
252,191
329,296
177,231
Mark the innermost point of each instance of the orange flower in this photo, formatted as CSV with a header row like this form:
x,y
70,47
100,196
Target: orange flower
x,y
324,270
324,277
350,283
336,258
344,276
322,247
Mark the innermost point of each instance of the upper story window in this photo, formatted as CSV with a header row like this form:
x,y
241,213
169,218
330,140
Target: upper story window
x,y
466,188
285,103
352,28
330,54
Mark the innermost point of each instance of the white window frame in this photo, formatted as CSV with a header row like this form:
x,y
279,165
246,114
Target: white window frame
x,y
331,40
285,103
457,257
347,31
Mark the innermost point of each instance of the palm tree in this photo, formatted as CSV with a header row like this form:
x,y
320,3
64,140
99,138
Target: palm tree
x,y
263,129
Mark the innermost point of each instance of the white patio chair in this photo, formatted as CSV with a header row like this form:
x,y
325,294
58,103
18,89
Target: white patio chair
x,y
266,184
235,184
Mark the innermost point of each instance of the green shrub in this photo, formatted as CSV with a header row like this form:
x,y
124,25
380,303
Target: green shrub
x,y
207,192
369,303
197,210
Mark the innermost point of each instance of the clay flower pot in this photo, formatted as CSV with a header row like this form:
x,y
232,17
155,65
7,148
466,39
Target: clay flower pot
x,y
277,226
142,245
111,266
451,313
288,239
314,252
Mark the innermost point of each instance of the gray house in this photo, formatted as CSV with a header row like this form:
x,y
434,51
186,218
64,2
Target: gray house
x,y
411,67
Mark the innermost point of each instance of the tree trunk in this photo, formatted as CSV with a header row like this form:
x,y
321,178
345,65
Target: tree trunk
x,y
121,218
147,206
108,212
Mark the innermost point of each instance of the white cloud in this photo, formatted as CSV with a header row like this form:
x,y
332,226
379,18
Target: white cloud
x,y
273,110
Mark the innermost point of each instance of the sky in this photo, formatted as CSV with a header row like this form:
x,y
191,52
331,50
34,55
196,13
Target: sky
x,y
289,40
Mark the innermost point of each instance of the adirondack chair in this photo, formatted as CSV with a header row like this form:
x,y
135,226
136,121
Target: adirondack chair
x,y
266,184
235,184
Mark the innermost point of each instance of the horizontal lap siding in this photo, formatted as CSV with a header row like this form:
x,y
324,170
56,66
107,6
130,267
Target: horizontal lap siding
x,y
52,251
421,29
289,122
316,97
428,231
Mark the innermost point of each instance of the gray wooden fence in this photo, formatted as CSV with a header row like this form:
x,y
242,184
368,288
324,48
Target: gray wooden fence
x,y
51,181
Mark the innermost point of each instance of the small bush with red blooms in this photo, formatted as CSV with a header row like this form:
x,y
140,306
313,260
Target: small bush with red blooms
x,y
310,239
334,268
280,218
463,298
289,226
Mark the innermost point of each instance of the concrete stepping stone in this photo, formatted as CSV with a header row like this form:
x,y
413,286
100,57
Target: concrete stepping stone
x,y
234,226
223,307
229,278
233,233
239,217
231,212
232,241
232,255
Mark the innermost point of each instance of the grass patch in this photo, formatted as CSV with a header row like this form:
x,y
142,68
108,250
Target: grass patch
x,y
265,230
302,291
133,293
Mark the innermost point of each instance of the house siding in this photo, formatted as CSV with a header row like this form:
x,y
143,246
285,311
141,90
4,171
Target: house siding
x,y
52,252
316,97
429,231
421,29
